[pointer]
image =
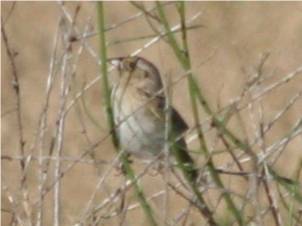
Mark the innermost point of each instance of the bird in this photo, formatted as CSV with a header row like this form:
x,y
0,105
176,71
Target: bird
x,y
140,114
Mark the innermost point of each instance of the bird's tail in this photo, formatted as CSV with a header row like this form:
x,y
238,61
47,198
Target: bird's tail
x,y
185,161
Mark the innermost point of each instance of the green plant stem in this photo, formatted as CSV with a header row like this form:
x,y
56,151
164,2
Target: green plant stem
x,y
109,111
195,94
204,208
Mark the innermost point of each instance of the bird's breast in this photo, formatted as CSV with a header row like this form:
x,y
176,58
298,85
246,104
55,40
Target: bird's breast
x,y
140,132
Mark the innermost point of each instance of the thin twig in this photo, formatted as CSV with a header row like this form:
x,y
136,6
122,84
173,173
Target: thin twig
x,y
16,86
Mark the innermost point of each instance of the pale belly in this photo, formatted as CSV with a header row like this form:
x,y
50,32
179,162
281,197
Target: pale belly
x,y
140,134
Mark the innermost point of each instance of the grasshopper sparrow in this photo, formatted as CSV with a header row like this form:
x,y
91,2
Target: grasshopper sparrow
x,y
140,113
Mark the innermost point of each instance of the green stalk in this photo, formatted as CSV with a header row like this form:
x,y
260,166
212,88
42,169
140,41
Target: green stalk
x,y
129,173
205,210
184,58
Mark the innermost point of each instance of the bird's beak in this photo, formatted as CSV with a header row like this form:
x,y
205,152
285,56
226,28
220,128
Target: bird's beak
x,y
115,61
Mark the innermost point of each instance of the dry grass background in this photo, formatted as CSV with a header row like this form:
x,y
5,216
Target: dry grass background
x,y
225,52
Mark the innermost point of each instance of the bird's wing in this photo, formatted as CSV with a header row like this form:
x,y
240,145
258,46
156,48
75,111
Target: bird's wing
x,y
157,107
178,123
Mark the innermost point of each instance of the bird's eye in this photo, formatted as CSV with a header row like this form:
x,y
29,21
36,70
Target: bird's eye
x,y
132,65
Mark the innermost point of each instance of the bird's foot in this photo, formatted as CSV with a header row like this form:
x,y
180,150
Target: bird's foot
x,y
120,167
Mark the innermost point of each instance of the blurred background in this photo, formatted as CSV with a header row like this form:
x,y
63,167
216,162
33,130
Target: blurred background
x,y
229,43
